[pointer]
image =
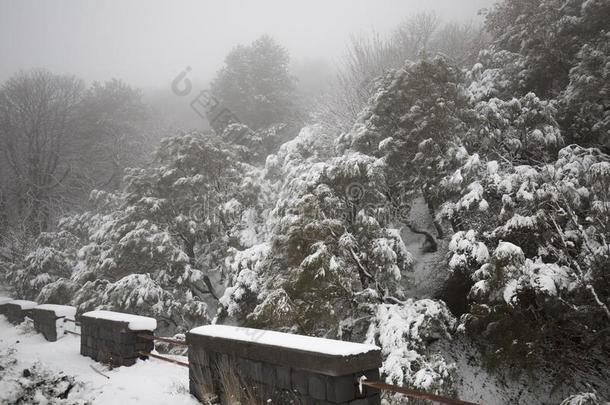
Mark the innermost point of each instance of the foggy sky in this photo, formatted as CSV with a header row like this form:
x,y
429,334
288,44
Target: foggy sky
x,y
148,42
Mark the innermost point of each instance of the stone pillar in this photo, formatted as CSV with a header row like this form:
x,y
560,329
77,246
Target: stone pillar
x,y
16,310
281,367
112,337
3,302
50,320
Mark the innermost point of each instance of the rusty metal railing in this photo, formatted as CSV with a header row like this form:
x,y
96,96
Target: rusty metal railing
x,y
71,320
413,393
167,359
166,340
163,339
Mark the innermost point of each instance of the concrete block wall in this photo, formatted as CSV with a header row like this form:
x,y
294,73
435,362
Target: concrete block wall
x,y
49,320
3,302
109,337
16,311
282,373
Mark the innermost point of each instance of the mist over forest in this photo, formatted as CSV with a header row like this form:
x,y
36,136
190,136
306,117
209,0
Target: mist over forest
x,y
432,178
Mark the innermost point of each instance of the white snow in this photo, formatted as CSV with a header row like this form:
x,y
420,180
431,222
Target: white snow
x,y
506,250
510,291
24,304
404,331
547,278
136,322
149,382
287,340
483,205
59,310
465,246
4,300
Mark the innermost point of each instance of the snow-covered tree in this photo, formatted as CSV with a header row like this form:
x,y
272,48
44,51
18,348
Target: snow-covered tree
x,y
34,156
333,250
548,34
414,124
520,130
256,89
585,104
406,332
111,133
52,259
157,247
255,83
497,74
547,227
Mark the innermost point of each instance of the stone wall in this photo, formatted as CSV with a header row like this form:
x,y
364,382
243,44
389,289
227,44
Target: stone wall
x,y
49,320
112,341
3,302
281,373
16,311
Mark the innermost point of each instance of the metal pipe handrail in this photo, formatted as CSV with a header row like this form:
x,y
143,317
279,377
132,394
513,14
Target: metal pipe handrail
x,y
163,339
156,356
70,320
413,393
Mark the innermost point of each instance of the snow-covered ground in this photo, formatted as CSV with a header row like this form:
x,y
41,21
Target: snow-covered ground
x,y
147,382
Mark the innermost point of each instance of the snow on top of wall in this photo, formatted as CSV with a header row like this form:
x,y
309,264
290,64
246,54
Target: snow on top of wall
x,y
287,340
60,310
135,322
4,300
24,304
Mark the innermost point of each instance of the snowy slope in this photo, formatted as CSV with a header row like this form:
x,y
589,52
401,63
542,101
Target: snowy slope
x,y
147,382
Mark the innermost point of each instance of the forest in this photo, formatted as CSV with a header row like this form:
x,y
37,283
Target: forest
x,y
446,197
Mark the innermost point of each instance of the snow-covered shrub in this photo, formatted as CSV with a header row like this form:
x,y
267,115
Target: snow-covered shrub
x,y
60,292
244,284
277,308
406,333
521,130
52,258
511,297
583,398
39,386
496,75
467,254
26,327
